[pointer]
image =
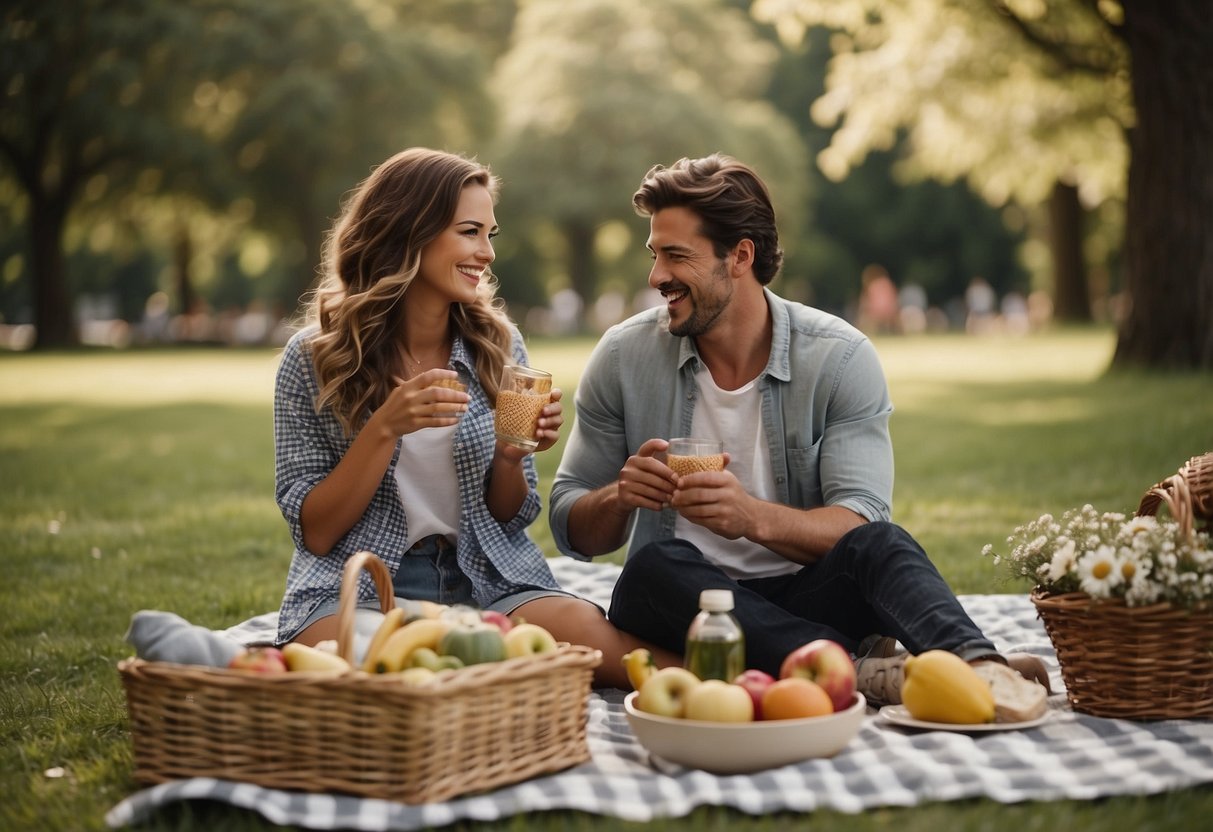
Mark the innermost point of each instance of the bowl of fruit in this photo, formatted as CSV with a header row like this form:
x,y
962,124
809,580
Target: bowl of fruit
x,y
755,721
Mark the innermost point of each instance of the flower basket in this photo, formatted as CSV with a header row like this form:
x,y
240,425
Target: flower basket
x,y
475,729
1128,604
1151,662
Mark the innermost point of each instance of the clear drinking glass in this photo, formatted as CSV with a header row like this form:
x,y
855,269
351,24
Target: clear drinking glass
x,y
687,455
522,395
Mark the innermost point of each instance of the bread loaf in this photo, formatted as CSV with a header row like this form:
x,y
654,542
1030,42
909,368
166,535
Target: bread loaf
x,y
1016,699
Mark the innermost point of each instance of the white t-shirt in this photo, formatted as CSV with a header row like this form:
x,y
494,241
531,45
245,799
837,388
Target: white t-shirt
x,y
735,417
429,491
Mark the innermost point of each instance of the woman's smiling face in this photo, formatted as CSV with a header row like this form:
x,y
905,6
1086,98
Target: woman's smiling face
x,y
453,263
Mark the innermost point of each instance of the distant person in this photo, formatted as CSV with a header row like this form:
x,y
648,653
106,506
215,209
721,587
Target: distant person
x,y
878,308
797,524
374,451
981,303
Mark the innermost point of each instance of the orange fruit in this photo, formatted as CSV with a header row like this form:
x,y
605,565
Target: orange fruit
x,y
795,698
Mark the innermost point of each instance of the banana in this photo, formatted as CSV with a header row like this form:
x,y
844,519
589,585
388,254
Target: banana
x,y
424,632
393,620
640,666
300,657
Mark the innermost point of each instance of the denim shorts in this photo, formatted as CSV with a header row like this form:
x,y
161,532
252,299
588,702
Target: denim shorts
x,y
429,572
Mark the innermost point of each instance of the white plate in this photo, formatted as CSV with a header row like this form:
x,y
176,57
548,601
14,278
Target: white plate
x,y
898,715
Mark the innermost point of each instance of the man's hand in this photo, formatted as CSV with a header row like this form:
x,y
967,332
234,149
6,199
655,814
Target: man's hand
x,y
645,481
716,501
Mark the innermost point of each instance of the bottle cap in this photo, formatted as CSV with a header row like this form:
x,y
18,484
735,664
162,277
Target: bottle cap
x,y
716,600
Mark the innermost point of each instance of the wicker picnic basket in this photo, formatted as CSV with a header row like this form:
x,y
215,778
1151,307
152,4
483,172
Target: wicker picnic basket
x,y
470,730
1148,662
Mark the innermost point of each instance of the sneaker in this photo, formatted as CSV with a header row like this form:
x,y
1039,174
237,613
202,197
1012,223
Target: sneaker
x,y
878,677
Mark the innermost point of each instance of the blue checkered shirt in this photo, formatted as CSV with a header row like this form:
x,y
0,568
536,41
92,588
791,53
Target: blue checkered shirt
x,y
498,558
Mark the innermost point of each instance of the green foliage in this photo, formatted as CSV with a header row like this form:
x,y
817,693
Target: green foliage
x,y
595,93
979,86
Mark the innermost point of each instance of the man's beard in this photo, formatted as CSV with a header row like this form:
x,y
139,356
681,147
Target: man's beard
x,y
705,311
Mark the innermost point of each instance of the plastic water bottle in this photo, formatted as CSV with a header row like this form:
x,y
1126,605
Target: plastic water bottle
x,y
715,647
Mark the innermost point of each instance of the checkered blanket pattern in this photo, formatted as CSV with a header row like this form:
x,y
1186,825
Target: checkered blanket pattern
x,y
1072,756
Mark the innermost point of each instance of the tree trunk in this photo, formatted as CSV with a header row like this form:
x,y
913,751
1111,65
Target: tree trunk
x,y
583,268
1169,209
1071,299
311,237
183,253
54,318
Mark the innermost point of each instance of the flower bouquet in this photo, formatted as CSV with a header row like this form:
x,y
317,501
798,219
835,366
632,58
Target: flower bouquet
x,y
1127,601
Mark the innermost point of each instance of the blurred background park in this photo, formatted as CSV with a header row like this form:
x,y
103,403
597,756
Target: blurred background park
x,y
169,168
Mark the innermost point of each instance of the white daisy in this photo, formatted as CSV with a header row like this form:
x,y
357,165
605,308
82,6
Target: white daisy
x,y
1099,571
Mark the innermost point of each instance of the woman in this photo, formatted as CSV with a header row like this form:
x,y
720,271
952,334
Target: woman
x,y
376,449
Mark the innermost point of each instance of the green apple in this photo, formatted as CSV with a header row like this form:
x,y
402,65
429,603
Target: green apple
x,y
714,700
665,692
528,640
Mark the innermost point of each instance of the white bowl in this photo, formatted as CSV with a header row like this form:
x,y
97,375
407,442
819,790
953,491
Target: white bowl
x,y
743,747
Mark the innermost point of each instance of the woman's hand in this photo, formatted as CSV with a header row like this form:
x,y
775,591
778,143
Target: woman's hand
x,y
419,402
547,432
550,420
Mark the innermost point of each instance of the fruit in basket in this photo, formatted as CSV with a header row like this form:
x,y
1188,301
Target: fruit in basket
x,y
461,614
301,657
259,660
528,640
430,660
796,698
417,675
940,686
639,665
828,664
394,655
755,682
473,643
665,692
392,621
716,701
498,619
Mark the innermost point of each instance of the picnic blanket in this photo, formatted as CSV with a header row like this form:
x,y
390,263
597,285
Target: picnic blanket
x,y
1071,756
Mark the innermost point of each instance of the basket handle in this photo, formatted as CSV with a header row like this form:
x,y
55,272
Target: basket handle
x,y
348,605
1175,493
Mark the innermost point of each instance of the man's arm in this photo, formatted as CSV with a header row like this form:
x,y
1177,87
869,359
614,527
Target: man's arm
x,y
598,521
717,501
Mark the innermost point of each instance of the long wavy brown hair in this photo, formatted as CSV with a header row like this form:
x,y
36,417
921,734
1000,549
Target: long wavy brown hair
x,y
371,256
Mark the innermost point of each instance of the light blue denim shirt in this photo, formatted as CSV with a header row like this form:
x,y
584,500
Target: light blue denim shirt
x,y
825,412
499,558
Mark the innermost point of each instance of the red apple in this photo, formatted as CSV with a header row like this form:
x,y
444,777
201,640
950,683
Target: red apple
x,y
755,683
499,620
828,664
260,660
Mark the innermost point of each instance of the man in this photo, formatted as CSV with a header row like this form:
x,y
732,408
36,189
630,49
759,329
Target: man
x,y
797,523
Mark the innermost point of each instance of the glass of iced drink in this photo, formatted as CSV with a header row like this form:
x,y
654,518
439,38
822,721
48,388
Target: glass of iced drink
x,y
522,394
687,456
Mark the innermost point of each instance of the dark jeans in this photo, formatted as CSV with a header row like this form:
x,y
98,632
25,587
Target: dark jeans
x,y
876,580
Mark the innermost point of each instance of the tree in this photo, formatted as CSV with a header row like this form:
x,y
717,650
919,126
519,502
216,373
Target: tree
x,y
335,89
89,87
286,103
595,93
1169,225
1020,95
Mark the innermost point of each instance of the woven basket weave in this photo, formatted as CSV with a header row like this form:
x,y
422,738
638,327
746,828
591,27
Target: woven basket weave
x,y
478,728
1150,662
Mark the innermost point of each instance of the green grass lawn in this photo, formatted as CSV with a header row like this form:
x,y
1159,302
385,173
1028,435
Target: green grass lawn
x,y
145,480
